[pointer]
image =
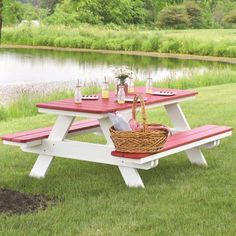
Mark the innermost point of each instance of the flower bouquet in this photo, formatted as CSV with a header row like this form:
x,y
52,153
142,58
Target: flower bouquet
x,y
122,74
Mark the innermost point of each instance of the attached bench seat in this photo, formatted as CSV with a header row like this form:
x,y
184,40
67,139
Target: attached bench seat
x,y
42,133
183,138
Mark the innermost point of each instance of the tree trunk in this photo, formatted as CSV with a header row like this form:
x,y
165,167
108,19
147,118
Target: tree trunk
x,y
1,10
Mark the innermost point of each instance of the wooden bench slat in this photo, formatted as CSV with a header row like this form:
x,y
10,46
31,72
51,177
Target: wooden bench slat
x,y
41,133
180,139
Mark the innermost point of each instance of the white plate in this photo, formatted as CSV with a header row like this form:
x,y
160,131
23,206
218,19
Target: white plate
x,y
163,93
90,97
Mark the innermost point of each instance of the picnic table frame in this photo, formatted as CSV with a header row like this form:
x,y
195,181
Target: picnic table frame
x,y
57,144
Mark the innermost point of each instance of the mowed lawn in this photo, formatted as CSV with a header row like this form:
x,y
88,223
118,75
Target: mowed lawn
x,y
179,198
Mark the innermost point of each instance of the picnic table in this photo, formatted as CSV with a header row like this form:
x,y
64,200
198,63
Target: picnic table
x,y
50,142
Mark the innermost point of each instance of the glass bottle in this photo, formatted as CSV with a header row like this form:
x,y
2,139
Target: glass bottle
x,y
149,85
121,95
105,89
131,85
78,93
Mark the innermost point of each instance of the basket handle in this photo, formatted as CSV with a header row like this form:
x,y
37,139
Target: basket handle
x,y
143,110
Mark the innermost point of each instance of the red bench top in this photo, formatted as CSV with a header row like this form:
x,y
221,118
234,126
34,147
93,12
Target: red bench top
x,y
180,139
110,105
36,134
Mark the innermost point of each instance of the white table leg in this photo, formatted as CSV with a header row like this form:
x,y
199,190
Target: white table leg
x,y
131,177
59,131
180,122
105,125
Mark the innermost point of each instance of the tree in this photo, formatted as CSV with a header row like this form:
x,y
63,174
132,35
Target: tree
x,y
231,17
194,14
174,17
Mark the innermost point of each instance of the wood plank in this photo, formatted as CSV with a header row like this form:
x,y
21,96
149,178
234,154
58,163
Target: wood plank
x,y
110,105
180,139
32,135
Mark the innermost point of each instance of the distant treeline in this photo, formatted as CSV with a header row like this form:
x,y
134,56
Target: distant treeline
x,y
176,14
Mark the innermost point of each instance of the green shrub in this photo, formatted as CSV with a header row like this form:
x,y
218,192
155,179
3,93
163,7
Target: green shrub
x,y
231,17
174,17
194,13
129,44
231,51
146,46
114,44
155,42
171,46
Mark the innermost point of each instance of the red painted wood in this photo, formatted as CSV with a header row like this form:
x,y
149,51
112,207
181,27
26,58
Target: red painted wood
x,y
180,139
36,134
110,105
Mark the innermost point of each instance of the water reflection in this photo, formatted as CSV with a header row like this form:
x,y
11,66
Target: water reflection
x,y
28,68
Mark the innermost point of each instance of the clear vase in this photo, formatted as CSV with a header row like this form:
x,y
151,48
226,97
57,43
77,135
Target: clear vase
x,y
121,95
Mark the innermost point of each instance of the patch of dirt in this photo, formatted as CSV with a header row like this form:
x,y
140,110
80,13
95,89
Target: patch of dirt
x,y
13,202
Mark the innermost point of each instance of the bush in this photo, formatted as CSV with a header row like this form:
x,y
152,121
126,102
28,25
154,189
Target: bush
x,y
231,17
171,46
194,13
174,17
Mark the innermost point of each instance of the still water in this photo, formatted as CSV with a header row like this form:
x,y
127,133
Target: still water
x,y
45,71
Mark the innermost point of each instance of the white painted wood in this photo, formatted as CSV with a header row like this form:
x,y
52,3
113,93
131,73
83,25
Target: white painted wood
x,y
29,144
41,166
212,144
102,153
180,122
92,152
105,124
195,156
177,117
131,177
61,127
58,132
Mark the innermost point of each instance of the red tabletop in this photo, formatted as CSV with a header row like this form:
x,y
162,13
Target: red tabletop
x,y
110,105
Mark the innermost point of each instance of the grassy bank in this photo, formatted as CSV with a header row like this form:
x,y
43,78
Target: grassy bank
x,y
220,42
25,105
179,199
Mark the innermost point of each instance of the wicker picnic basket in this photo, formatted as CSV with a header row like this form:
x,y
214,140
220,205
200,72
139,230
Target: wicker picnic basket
x,y
150,139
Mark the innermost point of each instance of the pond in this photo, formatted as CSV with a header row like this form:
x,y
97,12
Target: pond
x,y
47,70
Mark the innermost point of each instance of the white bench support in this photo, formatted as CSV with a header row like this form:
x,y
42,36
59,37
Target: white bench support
x,y
179,122
41,166
131,177
59,131
212,144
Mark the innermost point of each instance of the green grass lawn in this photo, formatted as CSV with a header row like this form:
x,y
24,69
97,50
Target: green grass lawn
x,y
179,198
